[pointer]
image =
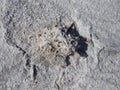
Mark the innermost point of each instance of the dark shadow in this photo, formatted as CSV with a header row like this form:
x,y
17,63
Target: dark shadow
x,y
67,61
78,42
28,61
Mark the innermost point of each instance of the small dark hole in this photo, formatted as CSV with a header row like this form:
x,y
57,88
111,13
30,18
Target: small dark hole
x,y
34,71
39,35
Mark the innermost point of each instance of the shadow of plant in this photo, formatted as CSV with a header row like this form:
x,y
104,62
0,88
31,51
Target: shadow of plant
x,y
77,42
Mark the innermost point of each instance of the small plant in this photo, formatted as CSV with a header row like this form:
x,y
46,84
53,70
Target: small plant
x,y
58,41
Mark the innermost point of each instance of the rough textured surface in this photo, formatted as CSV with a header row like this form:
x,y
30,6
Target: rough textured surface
x,y
59,44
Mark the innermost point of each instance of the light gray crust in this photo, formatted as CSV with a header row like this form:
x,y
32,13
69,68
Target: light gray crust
x,y
24,67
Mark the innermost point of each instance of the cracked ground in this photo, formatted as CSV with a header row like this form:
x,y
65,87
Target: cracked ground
x,y
59,44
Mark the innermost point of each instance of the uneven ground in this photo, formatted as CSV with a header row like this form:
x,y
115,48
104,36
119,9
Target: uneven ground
x,y
59,44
